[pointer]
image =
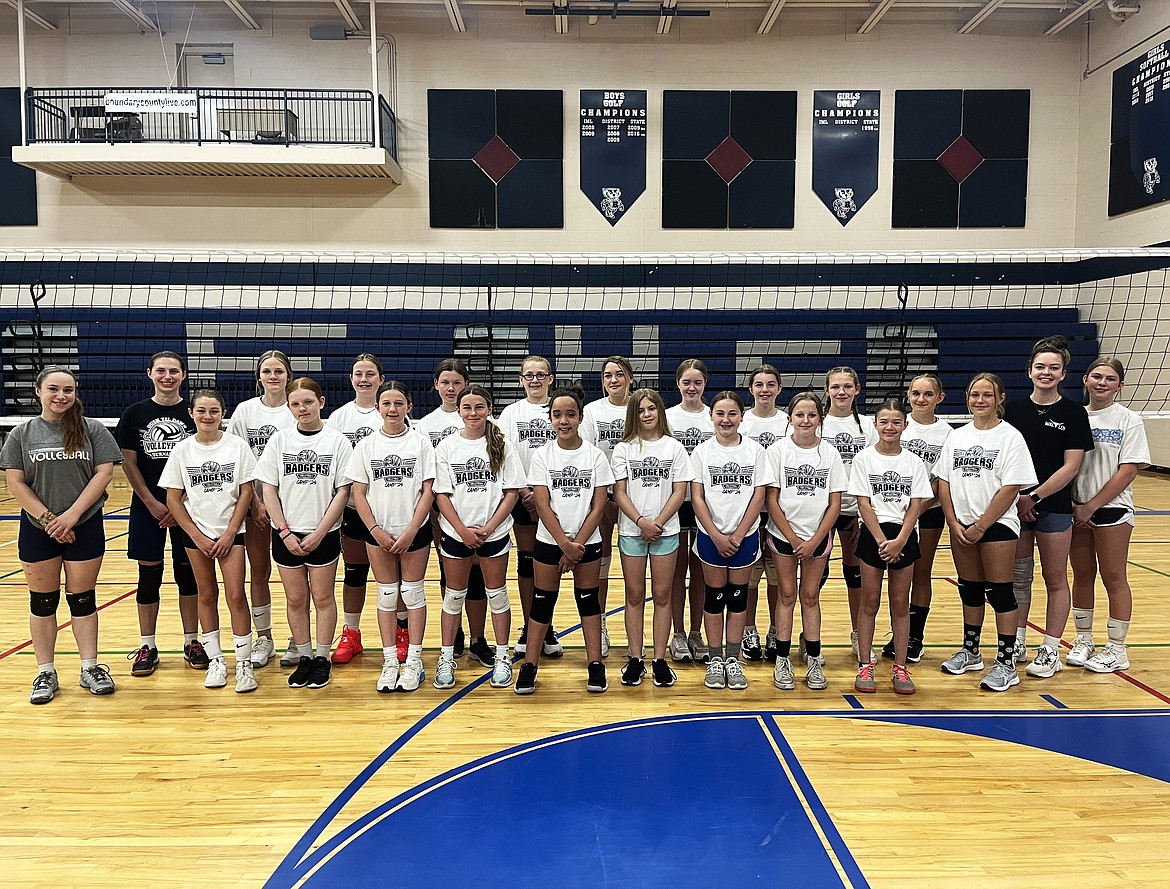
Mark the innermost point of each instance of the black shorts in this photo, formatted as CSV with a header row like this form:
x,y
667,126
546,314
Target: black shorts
x,y
33,544
187,543
998,533
550,553
421,540
352,525
146,541
686,516
328,552
457,549
867,548
932,519
845,523
1108,516
782,547
521,516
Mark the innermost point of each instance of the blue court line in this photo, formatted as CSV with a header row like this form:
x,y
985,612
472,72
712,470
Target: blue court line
x,y
853,702
1054,702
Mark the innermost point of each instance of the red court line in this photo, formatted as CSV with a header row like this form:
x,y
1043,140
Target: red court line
x,y
104,605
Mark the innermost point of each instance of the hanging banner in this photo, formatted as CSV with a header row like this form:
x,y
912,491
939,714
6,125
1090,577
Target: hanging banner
x,y
1139,173
845,149
613,149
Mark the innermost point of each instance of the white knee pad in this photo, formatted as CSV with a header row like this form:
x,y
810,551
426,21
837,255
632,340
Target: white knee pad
x,y
388,597
453,600
1022,573
413,594
498,600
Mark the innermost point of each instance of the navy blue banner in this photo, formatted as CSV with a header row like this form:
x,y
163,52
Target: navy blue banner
x,y
613,149
845,149
1139,174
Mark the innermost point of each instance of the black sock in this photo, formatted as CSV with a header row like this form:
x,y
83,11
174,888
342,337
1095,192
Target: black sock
x,y
783,647
1007,645
918,615
971,633
813,648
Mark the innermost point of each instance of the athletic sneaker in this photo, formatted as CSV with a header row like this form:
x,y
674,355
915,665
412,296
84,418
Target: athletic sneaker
x,y
751,644
596,682
482,652
664,677
216,673
522,643
888,650
145,661
680,652
299,677
914,651
733,671
864,682
814,677
319,678
770,646
445,673
1110,659
291,656
633,671
962,661
604,639
526,681
782,676
1082,650
1000,677
700,653
263,650
873,658
460,643
97,679
412,675
501,672
716,674
1020,652
44,687
350,645
903,684
195,654
1046,664
389,678
245,676
552,645
401,642
802,648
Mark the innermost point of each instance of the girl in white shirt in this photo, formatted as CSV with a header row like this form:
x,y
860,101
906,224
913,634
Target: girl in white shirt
x,y
1103,515
892,487
393,472
302,476
804,500
208,480
651,474
477,479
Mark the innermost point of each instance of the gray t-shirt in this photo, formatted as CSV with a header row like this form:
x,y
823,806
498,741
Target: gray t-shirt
x,y
37,449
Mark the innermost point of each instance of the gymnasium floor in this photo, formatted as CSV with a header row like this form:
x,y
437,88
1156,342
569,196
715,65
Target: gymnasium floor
x,y
167,783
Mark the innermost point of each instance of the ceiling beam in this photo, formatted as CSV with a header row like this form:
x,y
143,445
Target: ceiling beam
x,y
770,16
242,14
876,16
666,15
455,16
33,17
349,14
135,13
1072,17
977,19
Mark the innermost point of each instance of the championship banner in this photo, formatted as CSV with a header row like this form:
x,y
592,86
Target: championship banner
x,y
613,149
1140,137
845,149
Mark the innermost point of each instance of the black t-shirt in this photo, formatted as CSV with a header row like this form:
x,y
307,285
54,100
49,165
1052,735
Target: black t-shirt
x,y
151,430
1050,430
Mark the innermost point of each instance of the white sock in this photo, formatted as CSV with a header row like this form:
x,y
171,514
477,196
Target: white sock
x,y
46,668
211,644
304,650
414,652
1118,630
353,619
243,647
1083,618
149,642
502,652
322,649
87,662
1021,632
188,638
447,652
1052,642
262,618
389,652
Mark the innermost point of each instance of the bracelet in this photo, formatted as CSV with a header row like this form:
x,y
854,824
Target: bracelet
x,y
373,526
976,527
282,528
283,534
45,517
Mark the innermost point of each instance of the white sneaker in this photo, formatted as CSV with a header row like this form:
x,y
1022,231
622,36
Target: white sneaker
x,y
1082,650
1000,677
216,673
501,672
412,675
1020,652
604,640
814,677
962,661
782,676
246,676
680,652
263,650
292,657
1110,659
1046,664
445,673
389,678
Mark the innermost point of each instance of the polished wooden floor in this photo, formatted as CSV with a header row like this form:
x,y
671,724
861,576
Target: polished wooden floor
x,y
167,783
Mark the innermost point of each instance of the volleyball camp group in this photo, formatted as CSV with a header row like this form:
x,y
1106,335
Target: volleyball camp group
x,y
708,498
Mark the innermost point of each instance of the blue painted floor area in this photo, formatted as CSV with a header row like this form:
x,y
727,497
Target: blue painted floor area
x,y
646,805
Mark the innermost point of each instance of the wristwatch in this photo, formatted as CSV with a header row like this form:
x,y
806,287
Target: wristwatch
x,y
1036,498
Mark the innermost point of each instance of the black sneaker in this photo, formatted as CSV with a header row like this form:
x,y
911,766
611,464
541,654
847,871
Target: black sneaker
x,y
526,681
482,652
770,647
319,677
460,643
522,643
596,682
751,645
913,651
196,655
552,645
145,661
664,676
888,651
299,677
632,672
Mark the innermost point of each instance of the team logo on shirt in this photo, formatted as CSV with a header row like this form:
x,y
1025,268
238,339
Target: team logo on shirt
x,y
437,437
974,460
358,434
1108,436
475,475
847,446
765,439
925,451
535,433
807,480
211,476
258,438
890,486
160,437
732,477
307,466
691,437
651,472
1055,424
610,431
392,470
571,481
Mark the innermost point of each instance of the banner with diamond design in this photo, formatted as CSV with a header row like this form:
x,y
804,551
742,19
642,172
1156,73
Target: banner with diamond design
x,y
845,149
613,150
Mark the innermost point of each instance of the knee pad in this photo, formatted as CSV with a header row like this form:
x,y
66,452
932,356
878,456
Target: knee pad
x,y
388,597
498,600
852,576
149,583
414,594
524,565
355,575
715,600
1022,573
736,598
588,601
453,600
184,575
82,604
1001,597
476,588
44,604
543,603
606,560
972,593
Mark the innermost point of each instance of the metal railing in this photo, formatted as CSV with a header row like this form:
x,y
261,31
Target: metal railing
x,y
389,125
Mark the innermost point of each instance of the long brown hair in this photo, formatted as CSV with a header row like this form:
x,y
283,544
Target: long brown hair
x,y
73,421
495,438
842,370
633,429
279,356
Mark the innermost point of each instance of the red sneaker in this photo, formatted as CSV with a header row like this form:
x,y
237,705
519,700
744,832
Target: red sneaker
x,y
401,642
350,644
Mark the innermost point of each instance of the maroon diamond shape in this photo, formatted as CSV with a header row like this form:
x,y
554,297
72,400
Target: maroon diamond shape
x,y
729,159
960,159
496,159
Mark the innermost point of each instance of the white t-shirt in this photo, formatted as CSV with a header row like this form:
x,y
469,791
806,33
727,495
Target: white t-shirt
x,y
926,441
976,463
463,470
890,483
256,423
805,477
1119,436
438,424
528,428
354,422
394,469
690,429
651,469
571,478
729,477
843,434
211,476
765,431
307,471
603,424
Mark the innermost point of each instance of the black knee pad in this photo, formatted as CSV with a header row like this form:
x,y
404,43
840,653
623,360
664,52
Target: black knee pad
x,y
524,565
1001,597
476,591
852,576
82,604
355,575
149,583
543,603
44,604
737,598
971,593
715,600
184,575
588,601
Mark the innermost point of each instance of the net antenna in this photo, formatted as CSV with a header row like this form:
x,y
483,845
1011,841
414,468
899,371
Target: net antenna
x,y
491,342
897,335
37,291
